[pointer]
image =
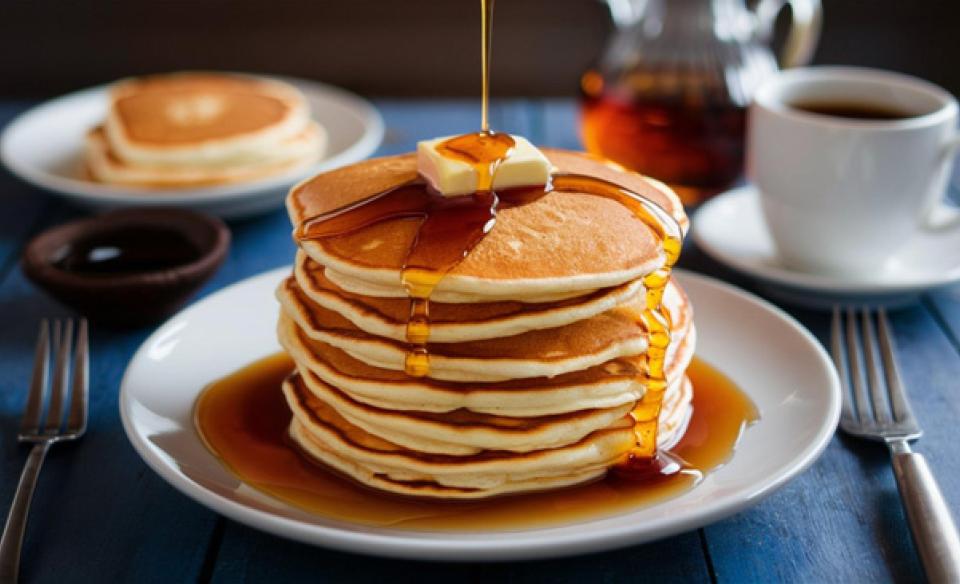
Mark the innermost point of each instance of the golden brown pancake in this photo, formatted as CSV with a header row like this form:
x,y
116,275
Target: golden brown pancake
x,y
463,432
200,129
455,322
560,243
190,108
325,434
104,165
607,385
582,344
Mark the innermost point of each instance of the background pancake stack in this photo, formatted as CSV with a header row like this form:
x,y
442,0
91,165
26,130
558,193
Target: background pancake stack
x,y
194,129
535,341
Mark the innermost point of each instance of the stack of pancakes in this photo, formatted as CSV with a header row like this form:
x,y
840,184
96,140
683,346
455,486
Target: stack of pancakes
x,y
196,129
534,345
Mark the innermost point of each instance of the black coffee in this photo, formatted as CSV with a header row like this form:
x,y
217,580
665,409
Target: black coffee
x,y
853,110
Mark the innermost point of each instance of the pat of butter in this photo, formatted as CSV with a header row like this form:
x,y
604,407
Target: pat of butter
x,y
526,166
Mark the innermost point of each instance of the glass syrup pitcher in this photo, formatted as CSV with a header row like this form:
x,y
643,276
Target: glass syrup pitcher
x,y
668,97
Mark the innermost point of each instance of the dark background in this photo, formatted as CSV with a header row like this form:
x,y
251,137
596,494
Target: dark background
x,y
413,47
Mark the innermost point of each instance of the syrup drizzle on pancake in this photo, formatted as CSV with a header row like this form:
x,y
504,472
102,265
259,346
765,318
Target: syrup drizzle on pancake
x,y
655,318
450,227
485,152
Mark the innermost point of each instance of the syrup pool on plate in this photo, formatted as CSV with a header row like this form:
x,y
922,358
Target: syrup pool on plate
x,y
243,419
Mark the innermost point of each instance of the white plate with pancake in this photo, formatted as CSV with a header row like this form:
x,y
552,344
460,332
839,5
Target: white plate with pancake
x,y
44,147
730,228
794,386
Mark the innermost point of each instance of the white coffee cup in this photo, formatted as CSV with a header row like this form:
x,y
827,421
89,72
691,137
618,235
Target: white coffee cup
x,y
842,195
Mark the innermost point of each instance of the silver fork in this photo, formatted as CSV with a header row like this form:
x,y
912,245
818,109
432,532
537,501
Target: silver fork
x,y
42,431
875,407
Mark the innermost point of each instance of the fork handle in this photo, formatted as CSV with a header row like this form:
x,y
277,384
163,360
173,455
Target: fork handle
x,y
16,526
934,531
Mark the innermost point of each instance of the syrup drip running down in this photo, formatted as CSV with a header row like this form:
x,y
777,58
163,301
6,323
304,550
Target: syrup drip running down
x,y
450,227
484,151
655,318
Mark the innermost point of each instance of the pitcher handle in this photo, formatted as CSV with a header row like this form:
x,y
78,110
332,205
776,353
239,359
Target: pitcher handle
x,y
806,18
940,216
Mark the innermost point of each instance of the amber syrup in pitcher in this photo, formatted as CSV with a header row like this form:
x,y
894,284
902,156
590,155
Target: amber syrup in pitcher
x,y
694,143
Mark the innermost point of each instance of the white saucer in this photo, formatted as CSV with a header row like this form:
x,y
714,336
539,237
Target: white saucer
x,y
730,228
44,146
794,385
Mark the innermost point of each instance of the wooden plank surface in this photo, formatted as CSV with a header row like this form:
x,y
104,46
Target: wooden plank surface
x,y
101,515
95,497
842,520
251,556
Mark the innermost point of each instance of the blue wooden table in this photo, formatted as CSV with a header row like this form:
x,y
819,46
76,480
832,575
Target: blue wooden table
x,y
100,515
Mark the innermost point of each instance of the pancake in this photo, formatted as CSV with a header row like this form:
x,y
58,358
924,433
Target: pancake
x,y
603,386
295,153
197,129
196,118
363,288
540,353
381,477
561,245
326,435
462,432
387,317
323,434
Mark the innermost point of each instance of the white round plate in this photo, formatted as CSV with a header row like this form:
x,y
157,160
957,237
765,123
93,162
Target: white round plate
x,y
44,147
794,385
730,228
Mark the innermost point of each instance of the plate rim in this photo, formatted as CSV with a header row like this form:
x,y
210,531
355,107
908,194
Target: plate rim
x,y
428,545
97,193
797,280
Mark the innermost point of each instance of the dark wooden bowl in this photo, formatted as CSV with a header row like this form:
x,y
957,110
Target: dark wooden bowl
x,y
128,298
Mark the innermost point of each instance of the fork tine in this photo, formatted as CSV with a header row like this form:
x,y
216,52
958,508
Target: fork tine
x,y
60,386
854,352
79,397
898,400
880,409
38,382
836,348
